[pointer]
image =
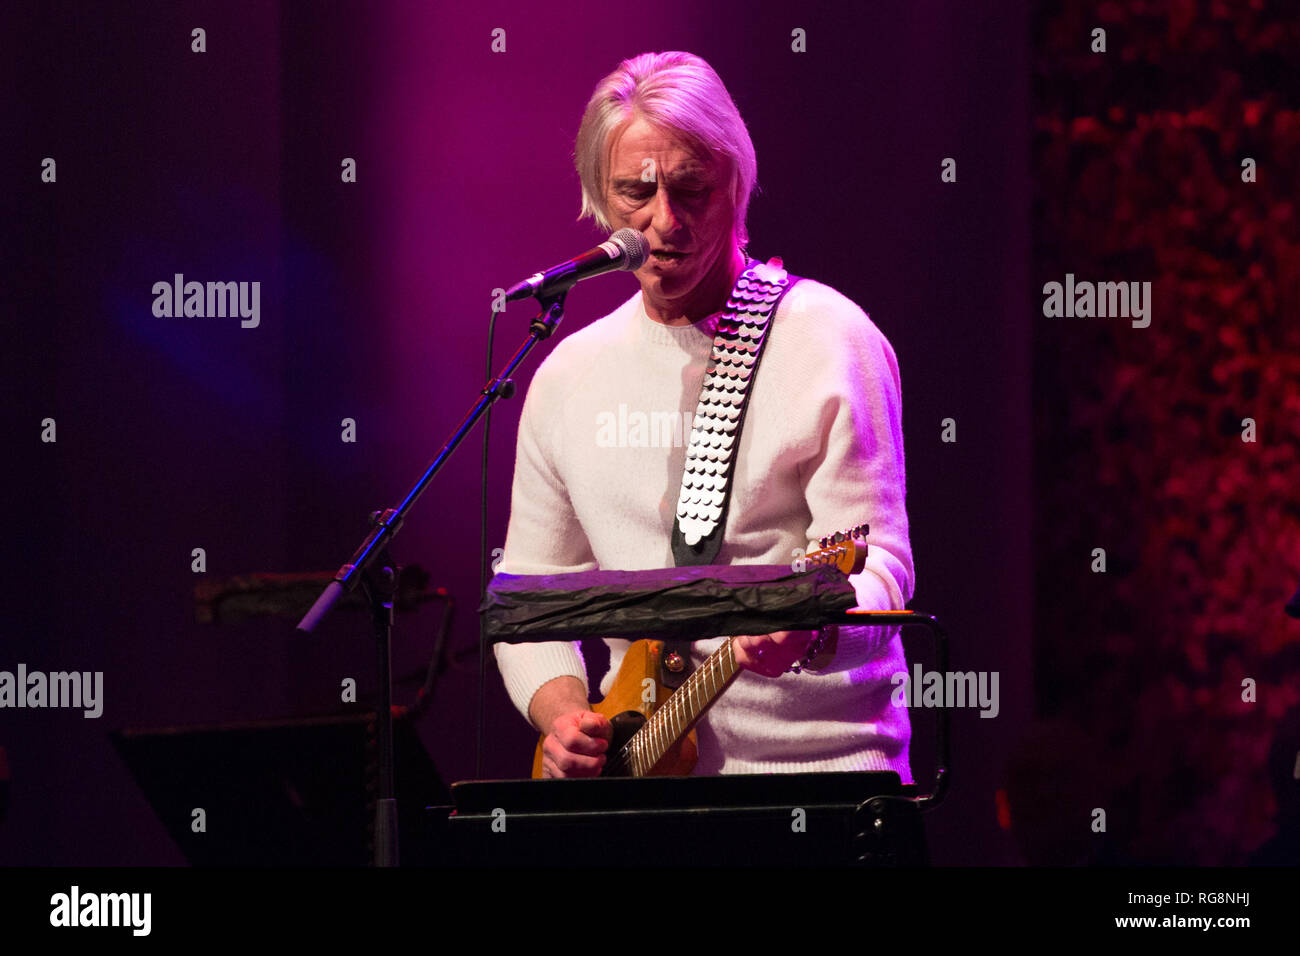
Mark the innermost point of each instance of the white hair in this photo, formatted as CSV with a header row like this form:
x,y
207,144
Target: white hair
x,y
679,93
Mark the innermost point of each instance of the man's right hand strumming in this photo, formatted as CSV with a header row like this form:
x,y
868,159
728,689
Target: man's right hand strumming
x,y
576,736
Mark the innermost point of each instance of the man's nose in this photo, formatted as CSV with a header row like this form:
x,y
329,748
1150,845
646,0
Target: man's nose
x,y
665,215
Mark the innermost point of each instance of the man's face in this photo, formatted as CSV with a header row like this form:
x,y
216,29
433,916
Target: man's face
x,y
678,199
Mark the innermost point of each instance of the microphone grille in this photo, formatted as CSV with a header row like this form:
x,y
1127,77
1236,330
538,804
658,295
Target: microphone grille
x,y
634,245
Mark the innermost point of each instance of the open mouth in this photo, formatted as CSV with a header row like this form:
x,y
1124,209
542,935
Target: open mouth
x,y
664,256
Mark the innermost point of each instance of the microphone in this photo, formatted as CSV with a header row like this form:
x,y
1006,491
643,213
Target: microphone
x,y
625,249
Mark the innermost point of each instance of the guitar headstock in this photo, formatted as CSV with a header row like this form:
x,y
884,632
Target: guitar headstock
x,y
847,550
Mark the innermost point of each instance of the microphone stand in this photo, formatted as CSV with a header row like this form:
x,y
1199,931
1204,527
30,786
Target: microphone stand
x,y
373,569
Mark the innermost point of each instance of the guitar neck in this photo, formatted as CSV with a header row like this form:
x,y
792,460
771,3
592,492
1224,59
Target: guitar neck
x,y
679,713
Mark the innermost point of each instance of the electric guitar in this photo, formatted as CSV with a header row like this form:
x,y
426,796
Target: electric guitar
x,y
653,733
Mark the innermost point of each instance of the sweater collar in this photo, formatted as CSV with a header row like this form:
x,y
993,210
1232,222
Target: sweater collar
x,y
697,337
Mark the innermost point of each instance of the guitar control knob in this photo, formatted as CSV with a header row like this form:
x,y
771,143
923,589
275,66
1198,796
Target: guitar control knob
x,y
674,662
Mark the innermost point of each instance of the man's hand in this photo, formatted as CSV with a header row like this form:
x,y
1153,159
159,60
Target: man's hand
x,y
771,654
576,745
576,738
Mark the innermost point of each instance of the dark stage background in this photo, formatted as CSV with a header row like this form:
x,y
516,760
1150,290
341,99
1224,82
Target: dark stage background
x,y
176,434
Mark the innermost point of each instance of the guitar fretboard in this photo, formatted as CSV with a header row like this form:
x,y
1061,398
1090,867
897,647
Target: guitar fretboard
x,y
680,711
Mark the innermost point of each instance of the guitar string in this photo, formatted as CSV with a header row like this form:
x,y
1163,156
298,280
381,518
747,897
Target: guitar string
x,y
682,707
645,749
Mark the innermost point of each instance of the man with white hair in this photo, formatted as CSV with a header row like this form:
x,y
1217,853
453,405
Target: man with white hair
x,y
662,149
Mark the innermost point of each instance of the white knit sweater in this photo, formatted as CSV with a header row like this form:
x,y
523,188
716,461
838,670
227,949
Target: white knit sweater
x,y
597,473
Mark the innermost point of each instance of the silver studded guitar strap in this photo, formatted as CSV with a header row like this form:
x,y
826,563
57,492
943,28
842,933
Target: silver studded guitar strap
x,y
715,434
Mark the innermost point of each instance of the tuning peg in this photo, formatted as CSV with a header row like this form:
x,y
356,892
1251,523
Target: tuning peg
x,y
861,531
823,542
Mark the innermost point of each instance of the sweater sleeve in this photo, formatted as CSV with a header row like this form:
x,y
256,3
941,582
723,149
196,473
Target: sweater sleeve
x,y
544,536
858,475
